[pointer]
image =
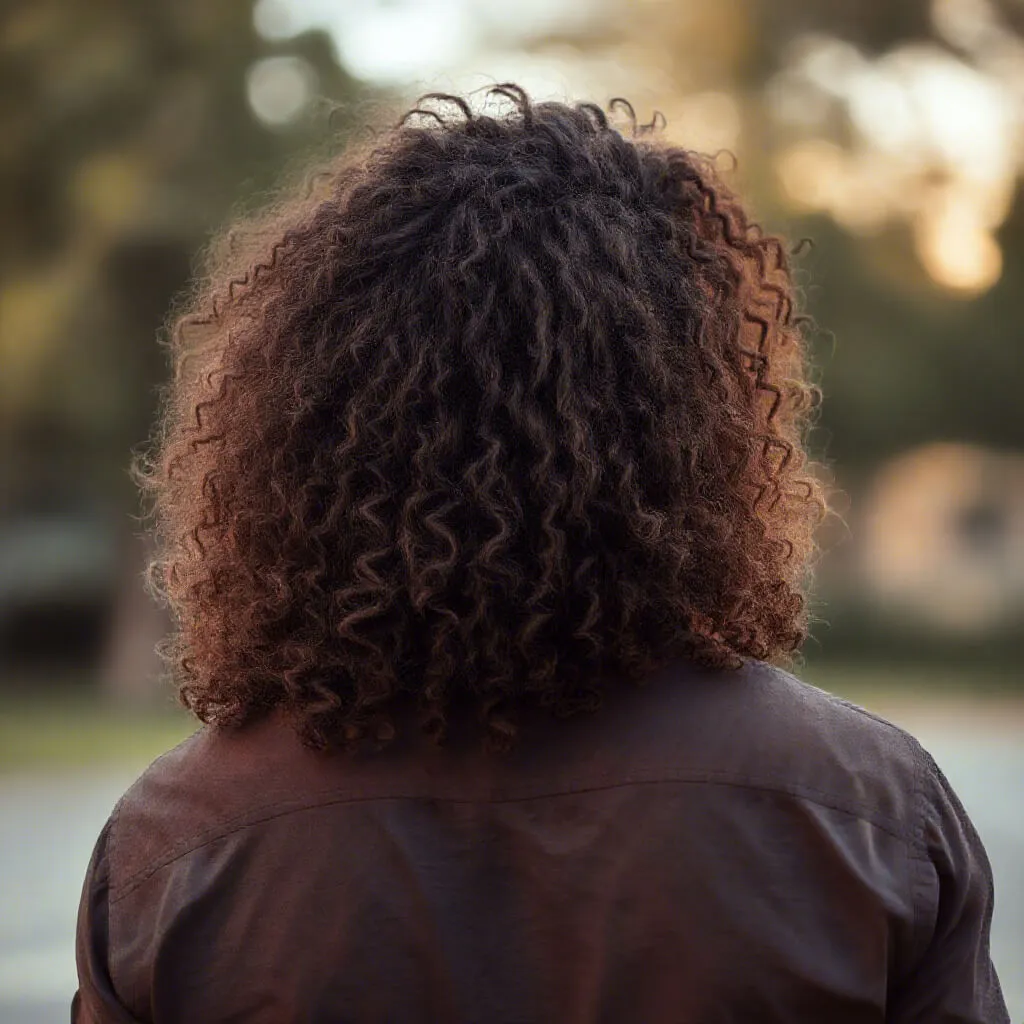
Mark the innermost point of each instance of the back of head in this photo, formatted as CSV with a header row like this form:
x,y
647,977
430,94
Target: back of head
x,y
508,406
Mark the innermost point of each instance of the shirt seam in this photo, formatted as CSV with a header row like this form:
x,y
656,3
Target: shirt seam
x,y
911,854
259,817
112,837
918,851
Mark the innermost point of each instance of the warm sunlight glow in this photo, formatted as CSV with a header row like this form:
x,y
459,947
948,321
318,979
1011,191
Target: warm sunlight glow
x,y
812,173
706,121
957,251
421,44
920,116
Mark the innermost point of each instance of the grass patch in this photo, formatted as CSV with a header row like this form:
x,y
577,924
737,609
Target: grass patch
x,y
868,684
62,731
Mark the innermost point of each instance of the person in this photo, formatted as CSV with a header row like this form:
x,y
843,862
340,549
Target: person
x,y
485,515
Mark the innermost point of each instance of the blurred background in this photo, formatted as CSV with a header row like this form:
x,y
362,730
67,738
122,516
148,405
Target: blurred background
x,y
892,134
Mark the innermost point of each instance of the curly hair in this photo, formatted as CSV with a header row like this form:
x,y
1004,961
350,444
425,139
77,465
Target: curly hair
x,y
506,407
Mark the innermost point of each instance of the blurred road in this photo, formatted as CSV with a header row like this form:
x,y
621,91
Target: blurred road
x,y
50,824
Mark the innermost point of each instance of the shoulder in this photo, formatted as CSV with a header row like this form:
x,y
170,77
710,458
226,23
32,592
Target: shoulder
x,y
830,731
771,712
783,702
212,782
762,727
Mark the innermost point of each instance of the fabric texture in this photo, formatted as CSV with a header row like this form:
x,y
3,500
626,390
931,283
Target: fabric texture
x,y
708,848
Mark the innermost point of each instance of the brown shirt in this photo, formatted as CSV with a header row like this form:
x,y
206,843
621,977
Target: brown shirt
x,y
708,848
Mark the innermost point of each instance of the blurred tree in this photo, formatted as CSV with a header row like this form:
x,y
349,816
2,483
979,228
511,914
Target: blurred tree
x,y
889,133
129,131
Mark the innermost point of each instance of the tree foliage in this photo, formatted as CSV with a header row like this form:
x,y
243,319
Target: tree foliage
x,y
904,357
128,136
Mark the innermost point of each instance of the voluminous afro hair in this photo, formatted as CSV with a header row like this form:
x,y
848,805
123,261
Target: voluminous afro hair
x,y
507,407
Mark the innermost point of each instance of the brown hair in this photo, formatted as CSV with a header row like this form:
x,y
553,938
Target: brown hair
x,y
510,405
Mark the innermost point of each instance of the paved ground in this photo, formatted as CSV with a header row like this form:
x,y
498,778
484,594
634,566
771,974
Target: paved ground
x,y
50,824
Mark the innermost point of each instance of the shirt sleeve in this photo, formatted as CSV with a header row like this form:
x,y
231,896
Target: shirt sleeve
x,y
96,1001
953,980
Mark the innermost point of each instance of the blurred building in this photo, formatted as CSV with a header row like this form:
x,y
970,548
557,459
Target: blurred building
x,y
941,537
